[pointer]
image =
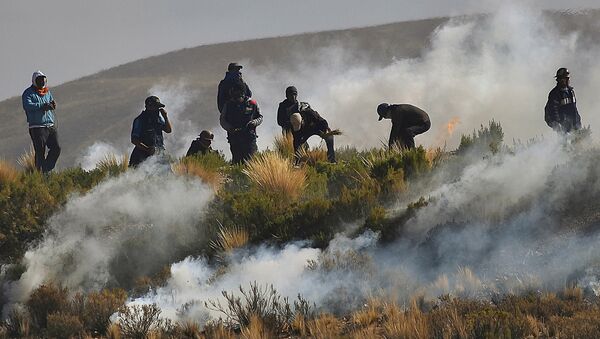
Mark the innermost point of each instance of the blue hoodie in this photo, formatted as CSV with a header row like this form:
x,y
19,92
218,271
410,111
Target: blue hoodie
x,y
32,104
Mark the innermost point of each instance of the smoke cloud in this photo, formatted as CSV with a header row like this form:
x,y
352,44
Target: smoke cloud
x,y
125,226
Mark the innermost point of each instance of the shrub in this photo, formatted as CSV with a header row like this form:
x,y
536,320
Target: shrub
x,y
486,139
311,156
61,325
18,324
275,176
137,321
45,300
100,306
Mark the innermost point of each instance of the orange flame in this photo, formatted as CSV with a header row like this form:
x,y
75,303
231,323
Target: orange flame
x,y
451,125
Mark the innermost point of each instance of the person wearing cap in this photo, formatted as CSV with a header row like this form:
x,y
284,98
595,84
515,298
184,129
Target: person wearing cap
x,y
232,76
240,117
560,111
407,122
307,123
39,106
146,133
201,145
289,106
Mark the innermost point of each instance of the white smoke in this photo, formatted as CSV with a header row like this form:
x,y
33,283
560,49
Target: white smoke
x,y
499,66
98,152
121,228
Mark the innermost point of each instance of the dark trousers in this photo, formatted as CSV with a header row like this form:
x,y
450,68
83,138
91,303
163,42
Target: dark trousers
x,y
241,148
405,138
42,138
137,157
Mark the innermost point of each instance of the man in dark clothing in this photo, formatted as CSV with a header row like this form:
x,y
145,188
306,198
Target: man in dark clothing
x,y
561,108
407,122
146,133
201,145
288,107
39,106
307,123
240,117
232,77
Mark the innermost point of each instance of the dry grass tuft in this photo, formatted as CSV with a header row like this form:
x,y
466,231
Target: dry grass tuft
x,y
312,156
27,160
113,331
325,326
187,166
284,145
230,238
435,156
409,324
256,329
275,175
113,164
8,172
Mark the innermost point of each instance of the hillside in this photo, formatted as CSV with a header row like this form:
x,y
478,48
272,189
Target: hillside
x,y
101,107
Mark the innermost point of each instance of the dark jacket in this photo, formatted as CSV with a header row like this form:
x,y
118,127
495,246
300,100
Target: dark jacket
x,y
241,119
148,128
198,147
312,124
287,108
407,121
225,87
561,109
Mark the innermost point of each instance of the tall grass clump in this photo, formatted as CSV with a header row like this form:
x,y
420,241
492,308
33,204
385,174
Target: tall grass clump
x,y
276,176
229,238
311,156
8,172
486,139
284,145
113,165
206,167
27,160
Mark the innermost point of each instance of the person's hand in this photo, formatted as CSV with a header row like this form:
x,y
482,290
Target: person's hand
x,y
163,112
251,124
53,104
46,107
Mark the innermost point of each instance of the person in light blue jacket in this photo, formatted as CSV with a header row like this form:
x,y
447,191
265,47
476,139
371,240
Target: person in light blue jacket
x,y
39,106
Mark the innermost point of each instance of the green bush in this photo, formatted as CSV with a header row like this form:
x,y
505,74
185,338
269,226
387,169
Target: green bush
x,y
486,139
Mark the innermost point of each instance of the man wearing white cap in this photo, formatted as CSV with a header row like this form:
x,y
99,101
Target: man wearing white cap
x,y
39,106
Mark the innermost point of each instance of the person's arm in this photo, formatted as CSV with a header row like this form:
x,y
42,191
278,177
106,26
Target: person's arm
x,y
257,117
281,116
223,119
577,116
322,124
167,128
31,105
248,91
551,110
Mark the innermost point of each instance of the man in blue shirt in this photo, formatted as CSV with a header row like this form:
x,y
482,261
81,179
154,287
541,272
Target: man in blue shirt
x,y
39,106
146,133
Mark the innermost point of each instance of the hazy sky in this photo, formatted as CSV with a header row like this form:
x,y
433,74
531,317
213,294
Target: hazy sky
x,y
68,39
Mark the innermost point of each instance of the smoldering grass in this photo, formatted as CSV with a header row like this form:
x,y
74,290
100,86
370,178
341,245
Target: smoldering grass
x,y
276,176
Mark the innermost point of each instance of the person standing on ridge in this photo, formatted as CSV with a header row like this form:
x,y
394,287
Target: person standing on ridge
x,y
308,123
201,145
39,106
288,107
560,112
146,133
407,122
240,117
232,76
